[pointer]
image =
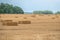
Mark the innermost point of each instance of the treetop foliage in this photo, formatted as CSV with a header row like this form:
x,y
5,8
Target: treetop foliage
x,y
43,12
10,9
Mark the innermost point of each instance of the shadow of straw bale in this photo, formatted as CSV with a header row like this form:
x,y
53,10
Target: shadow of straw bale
x,y
53,17
33,16
57,16
12,24
24,22
25,17
9,23
16,17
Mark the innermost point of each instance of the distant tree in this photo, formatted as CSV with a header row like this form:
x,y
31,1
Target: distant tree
x,y
43,12
17,9
37,12
47,12
7,8
58,12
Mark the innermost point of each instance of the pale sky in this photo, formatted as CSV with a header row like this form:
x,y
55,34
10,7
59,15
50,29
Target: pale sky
x,y
32,5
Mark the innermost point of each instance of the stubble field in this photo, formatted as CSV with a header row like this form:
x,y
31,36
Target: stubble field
x,y
29,27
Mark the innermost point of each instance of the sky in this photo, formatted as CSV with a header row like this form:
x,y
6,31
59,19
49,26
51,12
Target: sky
x,y
33,5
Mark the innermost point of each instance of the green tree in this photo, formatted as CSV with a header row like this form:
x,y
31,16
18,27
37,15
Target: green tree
x,y
43,12
10,9
58,12
37,12
17,10
47,12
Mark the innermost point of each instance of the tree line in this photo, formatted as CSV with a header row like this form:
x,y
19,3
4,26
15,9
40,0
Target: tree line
x,y
45,12
10,9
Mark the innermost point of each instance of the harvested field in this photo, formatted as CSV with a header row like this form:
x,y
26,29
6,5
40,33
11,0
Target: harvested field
x,y
29,27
